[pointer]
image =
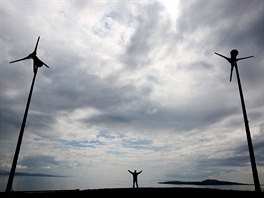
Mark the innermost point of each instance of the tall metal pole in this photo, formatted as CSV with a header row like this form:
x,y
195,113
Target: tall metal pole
x,y
250,146
19,141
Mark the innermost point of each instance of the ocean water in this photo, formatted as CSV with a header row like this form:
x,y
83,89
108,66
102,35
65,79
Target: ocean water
x,y
35,183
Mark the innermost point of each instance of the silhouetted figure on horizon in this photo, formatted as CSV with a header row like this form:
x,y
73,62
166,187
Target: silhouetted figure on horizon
x,y
135,174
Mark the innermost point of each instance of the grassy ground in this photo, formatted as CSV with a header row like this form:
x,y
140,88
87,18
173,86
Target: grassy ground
x,y
127,192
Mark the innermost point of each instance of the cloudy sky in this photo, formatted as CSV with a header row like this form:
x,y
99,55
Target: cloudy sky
x,y
133,85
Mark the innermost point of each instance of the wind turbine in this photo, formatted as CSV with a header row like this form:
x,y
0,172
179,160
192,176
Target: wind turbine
x,y
36,64
233,61
36,61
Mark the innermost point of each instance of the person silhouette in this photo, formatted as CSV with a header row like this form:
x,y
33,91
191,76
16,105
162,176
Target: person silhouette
x,y
135,174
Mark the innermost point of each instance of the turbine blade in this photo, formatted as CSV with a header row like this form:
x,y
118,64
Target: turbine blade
x,y
28,57
231,73
35,51
42,63
232,67
45,65
244,58
228,59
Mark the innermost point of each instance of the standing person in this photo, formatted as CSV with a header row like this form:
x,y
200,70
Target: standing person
x,y
135,174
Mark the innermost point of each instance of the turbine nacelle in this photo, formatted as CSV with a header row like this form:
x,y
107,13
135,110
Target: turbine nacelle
x,y
233,60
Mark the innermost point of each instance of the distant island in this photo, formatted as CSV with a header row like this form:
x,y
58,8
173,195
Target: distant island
x,y
31,174
204,182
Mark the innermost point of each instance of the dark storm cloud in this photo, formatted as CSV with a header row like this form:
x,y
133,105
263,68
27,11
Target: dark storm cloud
x,y
183,118
38,162
246,27
9,122
67,87
240,157
191,117
12,108
40,121
258,147
236,24
238,21
90,91
73,88
151,34
204,166
68,93
110,118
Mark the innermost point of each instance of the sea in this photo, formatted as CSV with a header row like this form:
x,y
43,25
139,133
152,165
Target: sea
x,y
36,183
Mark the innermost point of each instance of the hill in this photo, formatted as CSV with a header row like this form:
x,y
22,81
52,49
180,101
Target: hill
x,y
204,182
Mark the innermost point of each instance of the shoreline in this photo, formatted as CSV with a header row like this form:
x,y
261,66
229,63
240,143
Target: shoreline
x,y
127,191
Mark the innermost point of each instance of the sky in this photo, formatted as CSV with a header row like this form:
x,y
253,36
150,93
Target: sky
x,y
133,85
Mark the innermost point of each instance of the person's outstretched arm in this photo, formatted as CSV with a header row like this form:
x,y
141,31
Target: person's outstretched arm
x,y
129,171
139,172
